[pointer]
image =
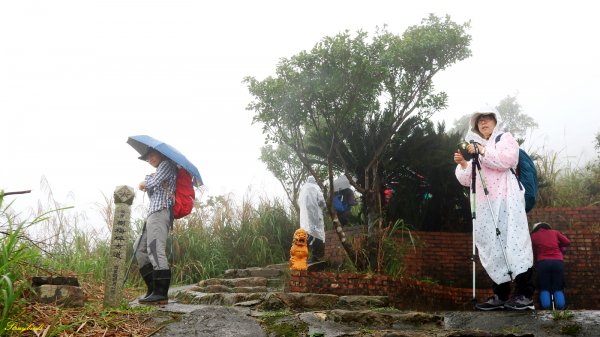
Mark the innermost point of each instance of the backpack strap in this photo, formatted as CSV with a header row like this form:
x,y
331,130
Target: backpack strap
x,y
511,169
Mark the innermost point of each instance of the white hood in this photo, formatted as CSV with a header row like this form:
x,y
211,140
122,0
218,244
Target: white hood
x,y
473,134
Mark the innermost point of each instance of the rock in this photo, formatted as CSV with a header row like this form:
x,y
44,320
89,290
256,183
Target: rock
x,y
247,303
66,295
249,289
271,303
210,321
284,266
268,272
236,282
220,321
275,283
217,298
308,300
264,272
363,302
216,288
37,281
306,314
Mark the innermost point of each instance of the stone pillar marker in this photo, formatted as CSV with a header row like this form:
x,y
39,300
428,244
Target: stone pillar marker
x,y
115,272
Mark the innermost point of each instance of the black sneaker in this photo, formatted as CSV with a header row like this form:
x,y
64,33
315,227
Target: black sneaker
x,y
519,302
493,303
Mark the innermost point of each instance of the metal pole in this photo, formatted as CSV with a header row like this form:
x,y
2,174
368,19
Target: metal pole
x,y
487,198
473,216
133,255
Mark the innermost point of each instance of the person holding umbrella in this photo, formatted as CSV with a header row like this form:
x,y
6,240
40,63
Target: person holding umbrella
x,y
151,245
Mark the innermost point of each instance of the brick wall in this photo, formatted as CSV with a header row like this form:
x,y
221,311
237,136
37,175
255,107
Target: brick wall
x,y
445,258
404,293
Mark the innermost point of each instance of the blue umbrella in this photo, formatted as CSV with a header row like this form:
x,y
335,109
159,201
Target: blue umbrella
x,y
143,143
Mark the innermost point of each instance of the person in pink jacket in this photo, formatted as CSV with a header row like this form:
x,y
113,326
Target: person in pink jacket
x,y
501,231
549,246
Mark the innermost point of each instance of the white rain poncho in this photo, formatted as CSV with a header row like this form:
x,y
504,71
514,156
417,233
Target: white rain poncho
x,y
507,202
310,201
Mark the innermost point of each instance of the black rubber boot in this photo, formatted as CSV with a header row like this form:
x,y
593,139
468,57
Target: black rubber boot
x,y
162,281
146,272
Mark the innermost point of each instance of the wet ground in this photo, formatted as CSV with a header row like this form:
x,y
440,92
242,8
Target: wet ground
x,y
210,320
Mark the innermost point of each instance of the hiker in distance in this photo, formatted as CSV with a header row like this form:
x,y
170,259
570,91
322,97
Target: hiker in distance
x,y
509,253
549,247
311,202
151,245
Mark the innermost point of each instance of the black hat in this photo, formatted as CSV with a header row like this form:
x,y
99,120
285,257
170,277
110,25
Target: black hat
x,y
145,155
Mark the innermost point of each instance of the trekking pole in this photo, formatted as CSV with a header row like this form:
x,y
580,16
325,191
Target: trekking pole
x,y
133,255
487,198
473,216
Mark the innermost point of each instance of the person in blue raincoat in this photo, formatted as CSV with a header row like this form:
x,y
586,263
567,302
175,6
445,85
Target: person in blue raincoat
x,y
311,203
343,199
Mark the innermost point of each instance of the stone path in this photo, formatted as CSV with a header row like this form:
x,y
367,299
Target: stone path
x,y
252,302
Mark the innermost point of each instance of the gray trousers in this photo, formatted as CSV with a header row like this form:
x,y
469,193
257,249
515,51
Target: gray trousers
x,y
152,244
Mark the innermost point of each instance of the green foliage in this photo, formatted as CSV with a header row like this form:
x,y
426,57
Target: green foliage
x,y
426,193
279,323
430,280
572,329
81,253
15,252
567,185
343,101
286,168
221,236
393,249
562,315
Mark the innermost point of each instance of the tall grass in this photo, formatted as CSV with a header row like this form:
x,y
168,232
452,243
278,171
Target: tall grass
x,y
15,253
221,235
564,184
217,236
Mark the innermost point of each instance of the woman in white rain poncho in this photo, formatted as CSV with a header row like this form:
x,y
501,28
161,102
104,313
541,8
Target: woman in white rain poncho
x,y
311,202
496,157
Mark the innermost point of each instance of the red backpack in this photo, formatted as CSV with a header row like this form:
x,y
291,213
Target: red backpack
x,y
184,194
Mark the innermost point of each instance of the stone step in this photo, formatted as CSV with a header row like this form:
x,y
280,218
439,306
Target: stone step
x,y
218,288
299,301
194,297
235,282
280,300
275,283
267,272
387,322
285,266
246,284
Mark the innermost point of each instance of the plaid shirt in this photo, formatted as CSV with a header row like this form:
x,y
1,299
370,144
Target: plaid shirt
x,y
156,183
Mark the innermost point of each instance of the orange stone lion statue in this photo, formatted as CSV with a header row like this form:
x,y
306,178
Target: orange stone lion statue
x,y
299,250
